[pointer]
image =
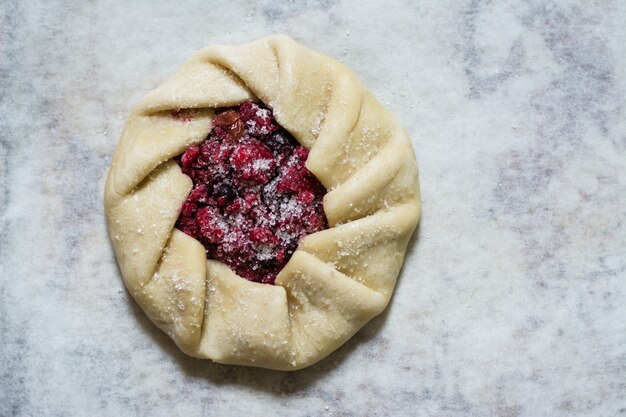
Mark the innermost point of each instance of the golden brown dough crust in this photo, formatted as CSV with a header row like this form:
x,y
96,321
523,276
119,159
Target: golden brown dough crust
x,y
337,280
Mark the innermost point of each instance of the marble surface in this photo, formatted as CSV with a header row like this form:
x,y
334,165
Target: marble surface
x,y
512,300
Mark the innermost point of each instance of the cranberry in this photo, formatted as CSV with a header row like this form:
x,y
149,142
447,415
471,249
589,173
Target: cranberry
x,y
253,199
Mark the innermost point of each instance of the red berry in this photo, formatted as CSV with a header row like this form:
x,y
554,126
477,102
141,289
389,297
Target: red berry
x,y
263,235
239,206
199,194
253,162
190,156
212,225
188,225
188,209
305,197
258,121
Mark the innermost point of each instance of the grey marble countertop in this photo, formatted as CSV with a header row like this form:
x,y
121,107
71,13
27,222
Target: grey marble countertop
x,y
512,300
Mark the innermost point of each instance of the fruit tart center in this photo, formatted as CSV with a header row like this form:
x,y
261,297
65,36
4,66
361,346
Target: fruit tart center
x,y
253,199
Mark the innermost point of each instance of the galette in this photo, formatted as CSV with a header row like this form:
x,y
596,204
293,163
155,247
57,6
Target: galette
x,y
260,204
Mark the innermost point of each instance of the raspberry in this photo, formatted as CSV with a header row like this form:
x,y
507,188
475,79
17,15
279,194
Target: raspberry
x,y
263,235
199,194
188,209
188,225
239,206
212,226
259,121
305,197
253,162
190,156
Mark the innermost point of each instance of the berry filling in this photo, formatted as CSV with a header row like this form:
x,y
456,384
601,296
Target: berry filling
x,y
253,199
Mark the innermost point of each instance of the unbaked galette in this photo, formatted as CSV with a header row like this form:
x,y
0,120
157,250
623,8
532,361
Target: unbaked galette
x,y
260,203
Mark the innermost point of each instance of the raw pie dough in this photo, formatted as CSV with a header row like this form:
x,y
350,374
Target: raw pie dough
x,y
337,280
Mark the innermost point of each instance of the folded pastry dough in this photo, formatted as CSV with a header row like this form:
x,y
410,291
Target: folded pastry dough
x,y
337,280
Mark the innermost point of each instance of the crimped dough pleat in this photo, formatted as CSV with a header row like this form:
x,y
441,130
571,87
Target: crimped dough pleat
x,y
149,140
246,322
325,307
369,250
141,222
386,180
174,297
